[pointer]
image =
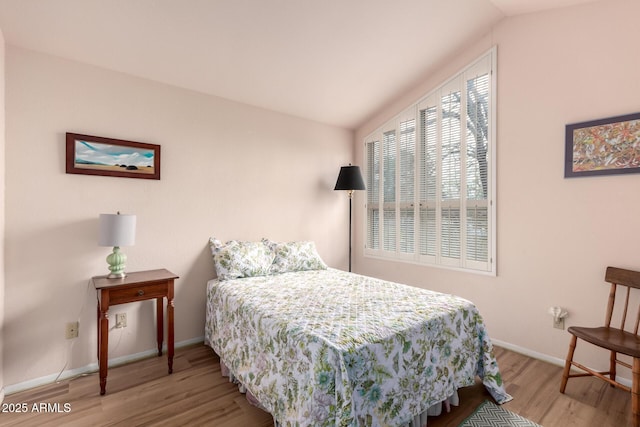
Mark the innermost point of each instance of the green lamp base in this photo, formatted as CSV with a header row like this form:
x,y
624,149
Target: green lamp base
x,y
116,261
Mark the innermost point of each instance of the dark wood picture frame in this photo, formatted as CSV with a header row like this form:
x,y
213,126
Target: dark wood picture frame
x,y
603,147
96,155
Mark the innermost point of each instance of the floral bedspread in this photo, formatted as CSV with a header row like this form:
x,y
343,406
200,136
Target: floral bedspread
x,y
330,348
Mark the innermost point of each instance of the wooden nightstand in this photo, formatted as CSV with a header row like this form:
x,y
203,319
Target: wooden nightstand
x,y
137,286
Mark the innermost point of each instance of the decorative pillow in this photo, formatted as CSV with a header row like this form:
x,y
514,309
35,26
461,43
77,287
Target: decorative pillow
x,y
295,256
236,259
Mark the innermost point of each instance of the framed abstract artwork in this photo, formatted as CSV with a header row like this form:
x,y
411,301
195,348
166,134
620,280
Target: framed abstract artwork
x,y
603,147
95,155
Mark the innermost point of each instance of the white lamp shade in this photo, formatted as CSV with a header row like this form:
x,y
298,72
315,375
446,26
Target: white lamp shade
x,y
117,230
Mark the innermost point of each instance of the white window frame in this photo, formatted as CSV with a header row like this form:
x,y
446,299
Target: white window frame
x,y
486,63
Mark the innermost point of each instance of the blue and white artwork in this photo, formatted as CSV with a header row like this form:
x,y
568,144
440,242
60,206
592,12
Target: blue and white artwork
x,y
109,157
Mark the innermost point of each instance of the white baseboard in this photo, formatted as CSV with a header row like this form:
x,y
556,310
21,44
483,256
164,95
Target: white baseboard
x,y
88,369
545,357
530,353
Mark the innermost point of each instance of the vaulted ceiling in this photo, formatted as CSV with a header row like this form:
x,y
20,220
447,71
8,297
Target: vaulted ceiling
x,y
332,61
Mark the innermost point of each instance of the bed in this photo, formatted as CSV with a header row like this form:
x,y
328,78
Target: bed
x,y
323,347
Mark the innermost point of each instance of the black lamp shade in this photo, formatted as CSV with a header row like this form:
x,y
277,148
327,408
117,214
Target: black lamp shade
x,y
350,178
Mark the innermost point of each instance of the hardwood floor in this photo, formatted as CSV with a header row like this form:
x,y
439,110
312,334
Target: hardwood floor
x,y
142,394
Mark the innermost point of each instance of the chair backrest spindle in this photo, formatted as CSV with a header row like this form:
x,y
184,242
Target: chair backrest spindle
x,y
626,308
610,303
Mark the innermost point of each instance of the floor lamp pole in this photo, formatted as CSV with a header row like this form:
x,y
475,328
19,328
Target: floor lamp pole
x,y
350,199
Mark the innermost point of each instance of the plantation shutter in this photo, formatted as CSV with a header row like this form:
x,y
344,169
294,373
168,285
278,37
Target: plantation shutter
x,y
372,149
407,150
477,212
450,181
427,176
389,183
430,192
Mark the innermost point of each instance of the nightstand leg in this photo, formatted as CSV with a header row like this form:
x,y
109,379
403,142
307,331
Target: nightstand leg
x,y
98,332
170,326
159,323
103,342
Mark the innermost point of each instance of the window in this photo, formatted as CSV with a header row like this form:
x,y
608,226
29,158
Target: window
x,y
430,180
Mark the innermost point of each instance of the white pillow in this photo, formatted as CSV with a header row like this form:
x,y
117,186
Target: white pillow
x,y
235,259
295,256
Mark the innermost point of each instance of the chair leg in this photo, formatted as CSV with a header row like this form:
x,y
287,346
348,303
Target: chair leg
x,y
567,365
612,366
635,392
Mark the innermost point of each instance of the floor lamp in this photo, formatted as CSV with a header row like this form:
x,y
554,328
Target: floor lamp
x,y
350,179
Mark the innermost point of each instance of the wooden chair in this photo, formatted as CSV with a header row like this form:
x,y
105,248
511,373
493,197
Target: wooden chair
x,y
616,340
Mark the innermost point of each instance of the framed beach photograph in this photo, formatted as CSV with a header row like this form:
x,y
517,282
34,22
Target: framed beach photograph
x,y
603,147
95,155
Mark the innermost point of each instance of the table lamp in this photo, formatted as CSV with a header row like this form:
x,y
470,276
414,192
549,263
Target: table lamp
x,y
117,230
350,179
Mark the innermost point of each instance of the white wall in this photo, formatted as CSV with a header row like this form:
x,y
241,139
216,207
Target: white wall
x,y
556,236
228,170
2,144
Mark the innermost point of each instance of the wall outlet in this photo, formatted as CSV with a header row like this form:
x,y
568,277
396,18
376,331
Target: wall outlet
x,y
121,320
559,324
72,330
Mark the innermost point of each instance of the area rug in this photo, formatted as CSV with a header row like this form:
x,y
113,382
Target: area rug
x,y
488,414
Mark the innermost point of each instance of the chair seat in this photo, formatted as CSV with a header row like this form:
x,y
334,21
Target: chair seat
x,y
610,338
